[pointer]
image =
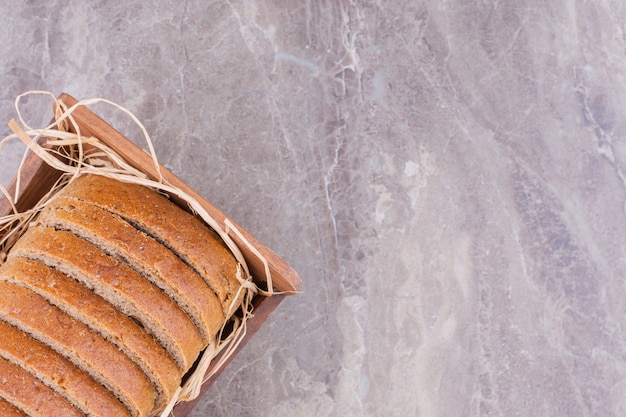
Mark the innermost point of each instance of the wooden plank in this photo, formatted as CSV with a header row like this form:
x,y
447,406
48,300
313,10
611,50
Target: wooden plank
x,y
37,178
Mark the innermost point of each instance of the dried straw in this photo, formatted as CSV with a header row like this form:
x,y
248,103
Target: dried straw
x,y
101,160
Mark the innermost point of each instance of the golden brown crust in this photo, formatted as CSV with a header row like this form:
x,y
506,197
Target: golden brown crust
x,y
56,371
78,301
31,313
22,389
142,253
118,284
113,278
8,410
183,233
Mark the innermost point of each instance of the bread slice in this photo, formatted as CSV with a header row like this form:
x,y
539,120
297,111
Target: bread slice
x,y
195,243
23,390
78,301
145,255
116,283
105,363
54,370
8,410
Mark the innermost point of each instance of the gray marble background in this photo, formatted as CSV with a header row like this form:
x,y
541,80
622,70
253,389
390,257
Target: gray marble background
x,y
448,178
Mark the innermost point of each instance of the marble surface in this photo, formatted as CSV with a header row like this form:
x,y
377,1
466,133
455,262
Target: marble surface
x,y
448,178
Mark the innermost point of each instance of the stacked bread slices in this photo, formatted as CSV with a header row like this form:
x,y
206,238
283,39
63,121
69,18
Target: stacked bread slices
x,y
107,301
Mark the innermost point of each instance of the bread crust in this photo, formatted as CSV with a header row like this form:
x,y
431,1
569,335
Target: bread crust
x,y
142,253
105,363
78,301
172,226
116,283
23,390
9,410
58,373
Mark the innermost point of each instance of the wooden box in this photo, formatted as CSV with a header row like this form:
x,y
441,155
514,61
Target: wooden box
x,y
37,178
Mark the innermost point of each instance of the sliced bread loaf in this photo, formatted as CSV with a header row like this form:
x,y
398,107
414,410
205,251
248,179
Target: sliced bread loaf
x,y
23,390
78,301
142,253
57,372
116,283
191,240
105,363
